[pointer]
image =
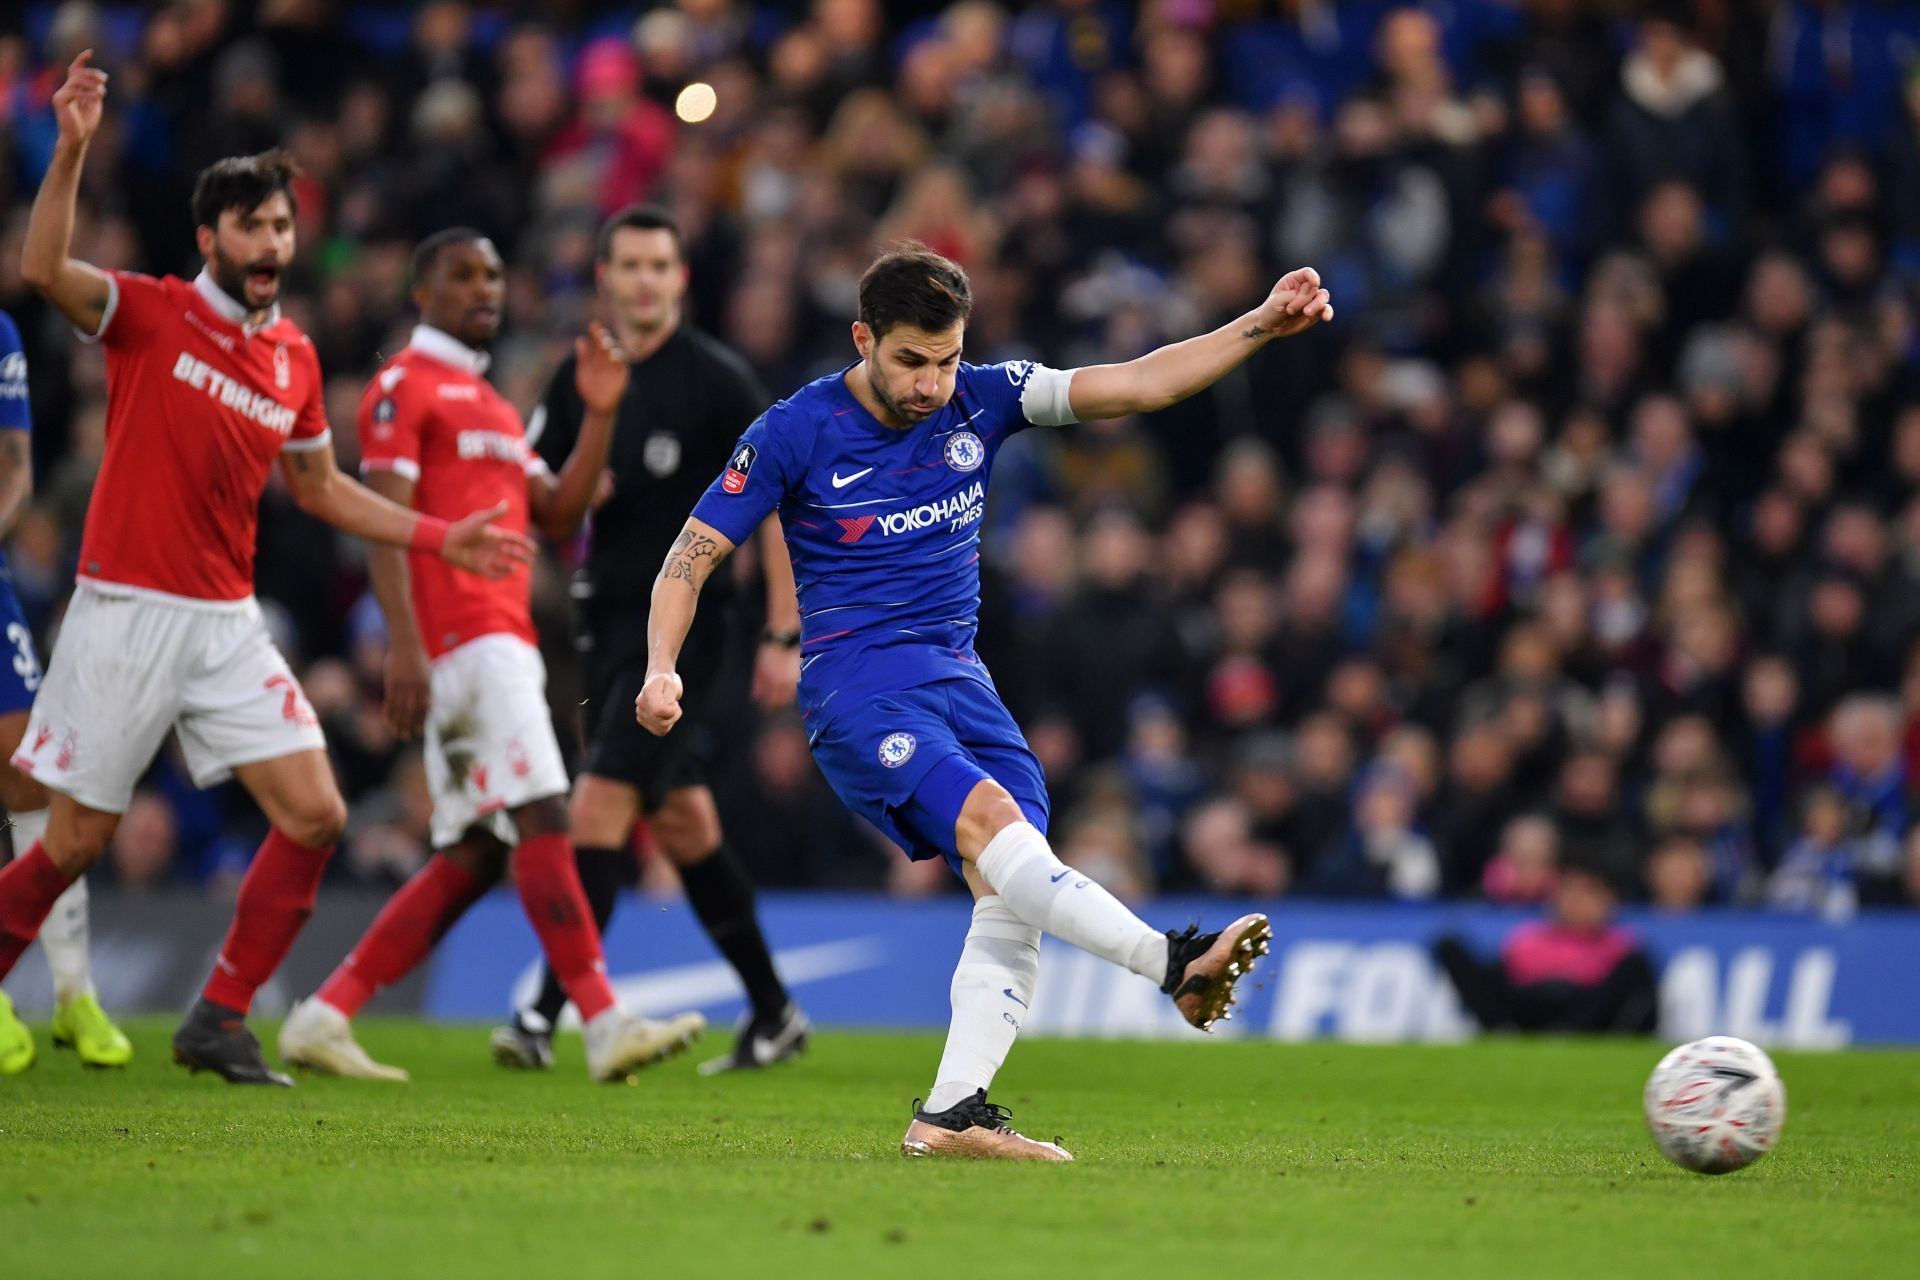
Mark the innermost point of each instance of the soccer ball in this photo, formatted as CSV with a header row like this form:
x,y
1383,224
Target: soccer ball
x,y
1715,1105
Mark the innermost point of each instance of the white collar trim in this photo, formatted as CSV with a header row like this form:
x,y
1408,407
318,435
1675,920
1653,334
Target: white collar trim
x,y
228,308
447,349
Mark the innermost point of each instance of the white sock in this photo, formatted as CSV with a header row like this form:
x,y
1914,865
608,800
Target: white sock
x,y
1049,895
992,991
64,935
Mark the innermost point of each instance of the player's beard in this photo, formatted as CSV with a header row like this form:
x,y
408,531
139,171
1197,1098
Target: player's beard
x,y
232,277
896,410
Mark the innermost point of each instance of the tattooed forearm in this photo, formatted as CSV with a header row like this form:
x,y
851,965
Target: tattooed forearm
x,y
691,559
1253,333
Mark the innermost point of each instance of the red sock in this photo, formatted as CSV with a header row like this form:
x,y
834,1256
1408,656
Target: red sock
x,y
28,886
408,927
549,884
275,900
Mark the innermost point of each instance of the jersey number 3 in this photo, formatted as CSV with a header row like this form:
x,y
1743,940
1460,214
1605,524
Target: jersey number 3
x,y
26,663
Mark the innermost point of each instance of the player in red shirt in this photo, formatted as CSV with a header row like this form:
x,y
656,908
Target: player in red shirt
x,y
463,665
207,387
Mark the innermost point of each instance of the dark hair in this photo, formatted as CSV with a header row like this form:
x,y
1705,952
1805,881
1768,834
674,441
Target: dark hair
x,y
640,217
427,251
911,284
243,183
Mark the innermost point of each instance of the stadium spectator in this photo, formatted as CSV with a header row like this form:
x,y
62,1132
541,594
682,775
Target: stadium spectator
x,y
1678,875
1869,769
1818,873
1575,971
1524,871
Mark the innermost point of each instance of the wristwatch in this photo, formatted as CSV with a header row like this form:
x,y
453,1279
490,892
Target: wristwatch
x,y
785,639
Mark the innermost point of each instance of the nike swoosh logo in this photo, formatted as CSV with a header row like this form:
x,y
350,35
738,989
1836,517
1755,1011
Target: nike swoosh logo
x,y
840,482
1062,876
1008,992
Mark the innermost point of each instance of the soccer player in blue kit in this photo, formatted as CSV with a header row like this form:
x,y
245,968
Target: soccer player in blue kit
x,y
879,473
78,1021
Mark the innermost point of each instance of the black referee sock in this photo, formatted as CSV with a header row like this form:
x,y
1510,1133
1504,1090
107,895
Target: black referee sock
x,y
722,896
601,873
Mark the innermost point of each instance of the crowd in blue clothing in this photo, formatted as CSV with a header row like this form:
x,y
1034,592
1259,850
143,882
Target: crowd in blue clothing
x,y
1588,535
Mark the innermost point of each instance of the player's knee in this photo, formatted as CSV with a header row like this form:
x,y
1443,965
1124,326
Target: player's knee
x,y
546,816
76,837
687,827
600,815
483,859
989,810
18,792
318,823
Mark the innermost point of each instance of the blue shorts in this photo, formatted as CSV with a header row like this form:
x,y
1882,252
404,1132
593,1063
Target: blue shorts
x,y
906,760
19,663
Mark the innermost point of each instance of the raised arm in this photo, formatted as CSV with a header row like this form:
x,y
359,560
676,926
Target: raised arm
x,y
470,543
560,503
1171,373
695,554
80,290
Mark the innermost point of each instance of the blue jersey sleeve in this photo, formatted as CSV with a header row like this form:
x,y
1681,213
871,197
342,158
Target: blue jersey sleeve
x,y
768,463
1013,396
15,414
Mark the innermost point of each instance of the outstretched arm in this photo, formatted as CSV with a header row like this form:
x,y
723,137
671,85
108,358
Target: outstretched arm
x,y
1174,372
696,553
80,290
471,542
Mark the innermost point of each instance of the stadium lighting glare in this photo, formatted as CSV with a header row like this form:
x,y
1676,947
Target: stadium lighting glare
x,y
696,102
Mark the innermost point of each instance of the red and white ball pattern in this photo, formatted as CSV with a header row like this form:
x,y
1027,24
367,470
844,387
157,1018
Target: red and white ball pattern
x,y
1716,1105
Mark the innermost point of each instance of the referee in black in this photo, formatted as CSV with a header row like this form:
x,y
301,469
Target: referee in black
x,y
687,401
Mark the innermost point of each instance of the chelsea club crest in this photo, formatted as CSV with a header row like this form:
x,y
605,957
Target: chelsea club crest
x,y
896,749
964,451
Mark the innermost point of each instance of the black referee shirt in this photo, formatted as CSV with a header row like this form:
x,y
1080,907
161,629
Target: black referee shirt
x,y
684,407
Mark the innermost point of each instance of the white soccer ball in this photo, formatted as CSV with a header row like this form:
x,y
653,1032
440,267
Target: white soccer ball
x,y
1716,1105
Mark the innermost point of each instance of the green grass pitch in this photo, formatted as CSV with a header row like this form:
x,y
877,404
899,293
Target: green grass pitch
x,y
1496,1159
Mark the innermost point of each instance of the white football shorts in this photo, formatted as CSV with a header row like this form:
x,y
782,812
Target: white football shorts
x,y
490,740
130,664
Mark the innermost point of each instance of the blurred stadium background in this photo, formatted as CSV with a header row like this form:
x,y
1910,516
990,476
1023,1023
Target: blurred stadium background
x,y
1588,536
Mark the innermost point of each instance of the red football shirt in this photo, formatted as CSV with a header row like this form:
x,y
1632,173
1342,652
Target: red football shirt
x,y
430,416
198,409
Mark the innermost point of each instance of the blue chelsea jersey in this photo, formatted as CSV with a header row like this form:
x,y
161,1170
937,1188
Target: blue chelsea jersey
x,y
15,414
883,525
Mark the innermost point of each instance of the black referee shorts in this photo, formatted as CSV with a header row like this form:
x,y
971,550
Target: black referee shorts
x,y
618,749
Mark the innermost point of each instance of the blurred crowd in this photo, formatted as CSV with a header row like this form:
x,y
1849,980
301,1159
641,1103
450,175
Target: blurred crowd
x,y
1588,537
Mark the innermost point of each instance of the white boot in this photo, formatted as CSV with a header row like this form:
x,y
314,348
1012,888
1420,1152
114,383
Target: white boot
x,y
319,1037
619,1043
